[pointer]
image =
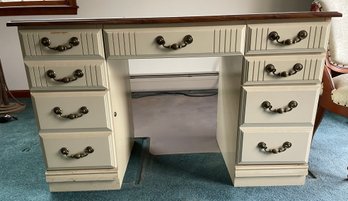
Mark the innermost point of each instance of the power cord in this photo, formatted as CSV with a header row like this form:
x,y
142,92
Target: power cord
x,y
190,93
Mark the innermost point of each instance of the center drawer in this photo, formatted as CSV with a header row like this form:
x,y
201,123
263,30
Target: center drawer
x,y
280,104
72,110
78,150
190,41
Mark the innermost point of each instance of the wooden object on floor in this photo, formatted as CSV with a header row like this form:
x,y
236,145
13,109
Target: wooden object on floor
x,y
6,106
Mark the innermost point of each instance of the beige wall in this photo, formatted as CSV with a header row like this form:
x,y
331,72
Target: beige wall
x,y
339,30
10,52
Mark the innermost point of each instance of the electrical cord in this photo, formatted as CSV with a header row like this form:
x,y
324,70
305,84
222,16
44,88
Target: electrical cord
x,y
196,93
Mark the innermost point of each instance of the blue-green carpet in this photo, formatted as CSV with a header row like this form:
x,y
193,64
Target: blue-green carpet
x,y
191,177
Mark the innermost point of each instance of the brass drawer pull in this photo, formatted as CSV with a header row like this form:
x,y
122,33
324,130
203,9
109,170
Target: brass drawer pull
x,y
74,41
188,39
59,112
263,147
65,152
267,105
274,36
77,74
270,68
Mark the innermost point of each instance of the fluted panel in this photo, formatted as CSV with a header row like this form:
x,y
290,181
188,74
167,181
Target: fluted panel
x,y
122,44
227,40
259,39
315,36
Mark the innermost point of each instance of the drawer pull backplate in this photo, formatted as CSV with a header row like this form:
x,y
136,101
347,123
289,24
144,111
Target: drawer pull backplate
x,y
77,74
188,39
267,105
74,41
263,147
274,36
65,152
59,112
270,68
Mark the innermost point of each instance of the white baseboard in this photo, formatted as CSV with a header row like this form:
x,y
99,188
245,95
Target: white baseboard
x,y
174,82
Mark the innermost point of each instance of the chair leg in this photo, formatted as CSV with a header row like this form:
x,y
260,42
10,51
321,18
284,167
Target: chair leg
x,y
318,118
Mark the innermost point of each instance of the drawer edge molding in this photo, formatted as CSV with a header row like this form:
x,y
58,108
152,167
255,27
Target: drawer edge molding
x,y
271,170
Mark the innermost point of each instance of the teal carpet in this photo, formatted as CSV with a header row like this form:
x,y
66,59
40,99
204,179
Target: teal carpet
x,y
189,177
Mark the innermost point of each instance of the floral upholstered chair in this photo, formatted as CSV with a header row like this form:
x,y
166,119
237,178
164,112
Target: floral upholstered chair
x,y
334,96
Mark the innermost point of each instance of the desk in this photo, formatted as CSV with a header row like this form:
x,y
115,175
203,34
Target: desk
x,y
269,83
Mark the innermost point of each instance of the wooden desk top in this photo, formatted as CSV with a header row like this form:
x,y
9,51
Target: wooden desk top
x,y
172,20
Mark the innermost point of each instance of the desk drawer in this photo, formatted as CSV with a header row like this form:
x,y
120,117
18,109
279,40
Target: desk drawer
x,y
66,75
259,42
283,98
290,144
205,40
87,150
272,69
96,113
77,42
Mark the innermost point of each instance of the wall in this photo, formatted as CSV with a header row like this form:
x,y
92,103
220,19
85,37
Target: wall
x,y
10,52
338,38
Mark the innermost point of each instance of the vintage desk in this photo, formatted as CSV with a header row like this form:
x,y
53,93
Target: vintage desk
x,y
269,83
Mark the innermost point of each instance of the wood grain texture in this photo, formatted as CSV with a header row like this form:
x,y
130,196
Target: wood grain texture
x,y
171,20
38,8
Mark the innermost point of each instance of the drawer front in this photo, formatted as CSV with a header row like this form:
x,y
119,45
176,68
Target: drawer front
x,y
283,69
90,42
97,104
206,40
279,97
274,138
66,75
100,156
315,41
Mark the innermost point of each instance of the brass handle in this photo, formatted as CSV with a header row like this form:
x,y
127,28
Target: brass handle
x,y
267,105
263,147
65,152
59,112
188,39
274,36
77,74
74,41
270,68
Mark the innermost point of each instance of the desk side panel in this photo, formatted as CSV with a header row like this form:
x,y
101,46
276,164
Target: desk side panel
x,y
228,109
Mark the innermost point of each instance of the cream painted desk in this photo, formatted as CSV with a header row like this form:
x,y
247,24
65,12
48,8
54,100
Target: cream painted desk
x,y
269,83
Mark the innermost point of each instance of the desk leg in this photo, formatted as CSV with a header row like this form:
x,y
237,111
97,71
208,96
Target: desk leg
x,y
120,93
228,109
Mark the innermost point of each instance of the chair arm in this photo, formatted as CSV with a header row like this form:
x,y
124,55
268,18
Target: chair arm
x,y
328,84
338,68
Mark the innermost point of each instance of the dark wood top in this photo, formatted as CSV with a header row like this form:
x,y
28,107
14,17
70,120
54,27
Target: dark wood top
x,y
170,20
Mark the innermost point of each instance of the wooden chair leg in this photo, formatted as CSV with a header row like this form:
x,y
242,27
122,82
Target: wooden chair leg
x,y
318,118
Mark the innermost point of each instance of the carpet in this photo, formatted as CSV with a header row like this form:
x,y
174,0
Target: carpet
x,y
178,177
